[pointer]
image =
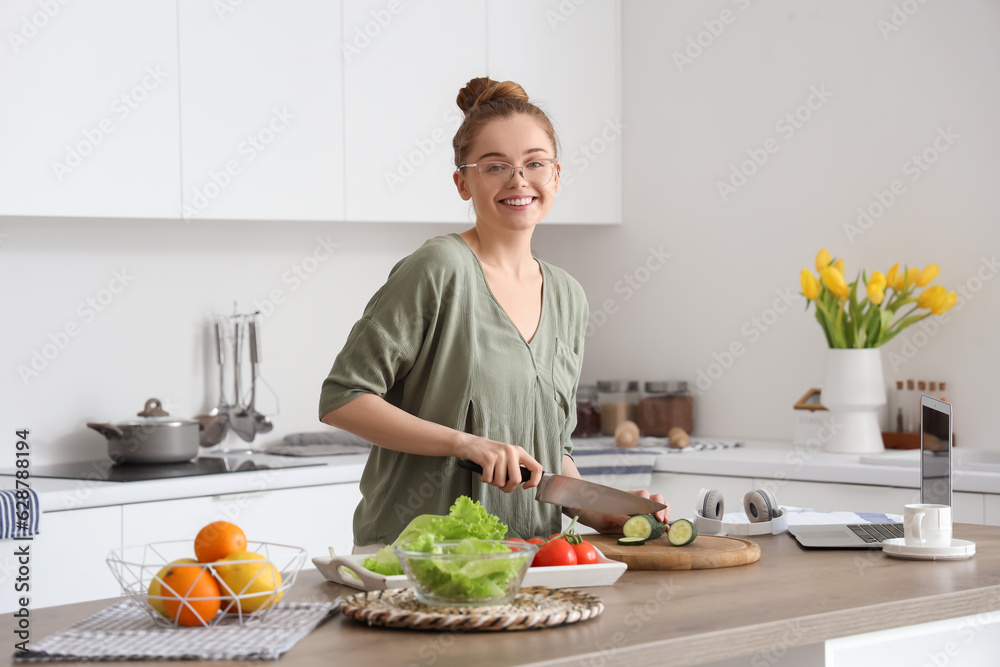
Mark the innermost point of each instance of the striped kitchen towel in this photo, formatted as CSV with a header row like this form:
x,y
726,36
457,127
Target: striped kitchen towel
x,y
20,513
621,468
124,631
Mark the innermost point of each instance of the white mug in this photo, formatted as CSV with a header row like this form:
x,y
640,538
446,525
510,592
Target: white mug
x,y
927,525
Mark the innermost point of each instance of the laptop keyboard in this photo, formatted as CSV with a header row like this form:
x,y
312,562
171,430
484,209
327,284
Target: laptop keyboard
x,y
876,532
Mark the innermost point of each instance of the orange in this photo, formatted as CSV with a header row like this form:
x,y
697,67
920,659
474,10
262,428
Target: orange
x,y
217,540
154,586
192,595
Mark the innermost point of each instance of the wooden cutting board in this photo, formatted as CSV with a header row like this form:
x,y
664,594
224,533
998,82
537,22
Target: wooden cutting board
x,y
706,552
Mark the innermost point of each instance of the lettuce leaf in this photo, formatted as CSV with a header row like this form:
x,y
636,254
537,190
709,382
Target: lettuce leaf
x,y
471,578
466,518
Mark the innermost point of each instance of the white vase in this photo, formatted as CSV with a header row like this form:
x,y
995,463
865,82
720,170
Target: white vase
x,y
854,392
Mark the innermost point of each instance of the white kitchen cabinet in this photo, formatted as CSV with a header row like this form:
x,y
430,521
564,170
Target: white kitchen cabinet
x,y
89,120
567,56
991,509
67,559
261,110
312,517
681,490
404,64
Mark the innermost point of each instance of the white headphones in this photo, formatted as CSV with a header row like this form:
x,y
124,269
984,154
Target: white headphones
x,y
761,508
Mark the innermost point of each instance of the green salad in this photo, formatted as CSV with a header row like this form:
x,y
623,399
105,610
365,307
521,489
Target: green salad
x,y
466,519
457,578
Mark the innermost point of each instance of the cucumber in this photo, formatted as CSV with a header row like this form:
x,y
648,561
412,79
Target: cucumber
x,y
645,526
631,541
681,533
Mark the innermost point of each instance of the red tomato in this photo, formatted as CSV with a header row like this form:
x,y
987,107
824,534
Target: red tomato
x,y
586,554
556,552
536,540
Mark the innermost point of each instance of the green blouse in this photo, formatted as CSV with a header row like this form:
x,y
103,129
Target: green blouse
x,y
435,342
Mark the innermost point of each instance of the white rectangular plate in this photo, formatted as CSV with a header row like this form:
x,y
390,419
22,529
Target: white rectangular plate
x,y
604,573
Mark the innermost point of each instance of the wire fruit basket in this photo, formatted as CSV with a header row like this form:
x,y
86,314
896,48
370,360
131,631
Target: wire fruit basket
x,y
137,567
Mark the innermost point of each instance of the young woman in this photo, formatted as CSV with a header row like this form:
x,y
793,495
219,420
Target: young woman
x,y
472,349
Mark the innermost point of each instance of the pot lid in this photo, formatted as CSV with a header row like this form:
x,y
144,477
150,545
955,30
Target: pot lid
x,y
154,414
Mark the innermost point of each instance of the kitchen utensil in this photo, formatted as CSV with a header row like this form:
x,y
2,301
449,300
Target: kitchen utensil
x,y
536,607
582,495
215,427
263,424
240,418
706,552
156,438
349,570
451,576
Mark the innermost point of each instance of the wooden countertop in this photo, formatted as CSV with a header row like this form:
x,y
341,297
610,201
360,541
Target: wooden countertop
x,y
791,597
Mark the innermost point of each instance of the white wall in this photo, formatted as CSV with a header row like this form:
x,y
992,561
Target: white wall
x,y
727,259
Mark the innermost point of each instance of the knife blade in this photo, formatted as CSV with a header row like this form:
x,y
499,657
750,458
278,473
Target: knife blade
x,y
581,494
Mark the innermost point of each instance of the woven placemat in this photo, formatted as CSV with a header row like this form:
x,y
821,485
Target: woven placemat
x,y
534,607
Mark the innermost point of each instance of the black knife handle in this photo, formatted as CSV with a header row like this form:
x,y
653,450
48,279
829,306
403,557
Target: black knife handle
x,y
475,467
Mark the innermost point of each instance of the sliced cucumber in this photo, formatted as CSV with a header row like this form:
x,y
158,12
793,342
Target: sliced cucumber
x,y
645,526
631,541
681,532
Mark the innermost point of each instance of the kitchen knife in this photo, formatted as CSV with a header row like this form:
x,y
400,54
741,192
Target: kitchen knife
x,y
582,495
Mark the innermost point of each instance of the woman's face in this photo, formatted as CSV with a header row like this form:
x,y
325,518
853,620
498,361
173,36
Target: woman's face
x,y
519,202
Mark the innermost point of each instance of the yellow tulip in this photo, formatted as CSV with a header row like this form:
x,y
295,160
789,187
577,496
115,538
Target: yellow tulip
x,y
932,297
892,276
929,273
810,284
834,281
876,287
910,279
945,305
839,265
822,260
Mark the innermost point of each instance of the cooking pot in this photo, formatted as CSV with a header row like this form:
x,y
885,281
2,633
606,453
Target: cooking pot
x,y
155,438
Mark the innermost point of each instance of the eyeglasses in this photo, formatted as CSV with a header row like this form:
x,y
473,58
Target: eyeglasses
x,y
537,172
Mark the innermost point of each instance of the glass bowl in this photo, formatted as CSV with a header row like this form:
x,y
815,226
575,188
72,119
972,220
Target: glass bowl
x,y
453,574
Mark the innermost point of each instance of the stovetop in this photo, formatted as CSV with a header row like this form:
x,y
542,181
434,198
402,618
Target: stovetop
x,y
105,471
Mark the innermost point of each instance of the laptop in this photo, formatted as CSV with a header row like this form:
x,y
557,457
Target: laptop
x,y
935,487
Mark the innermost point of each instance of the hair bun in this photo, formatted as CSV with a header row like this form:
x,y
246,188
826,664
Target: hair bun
x,y
482,90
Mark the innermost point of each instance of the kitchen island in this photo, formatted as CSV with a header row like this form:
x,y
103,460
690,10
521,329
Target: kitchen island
x,y
791,598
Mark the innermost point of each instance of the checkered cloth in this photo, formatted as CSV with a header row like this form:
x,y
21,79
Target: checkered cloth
x,y
124,631
11,524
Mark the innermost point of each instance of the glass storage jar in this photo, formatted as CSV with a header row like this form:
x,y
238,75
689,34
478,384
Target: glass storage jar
x,y
663,406
619,401
588,412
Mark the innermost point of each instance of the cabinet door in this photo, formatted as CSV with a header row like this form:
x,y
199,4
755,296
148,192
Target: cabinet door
x,y
68,559
313,517
89,120
261,112
681,491
566,55
404,64
840,497
991,509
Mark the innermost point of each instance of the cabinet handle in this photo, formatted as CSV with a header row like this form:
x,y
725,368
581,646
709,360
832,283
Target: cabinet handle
x,y
241,496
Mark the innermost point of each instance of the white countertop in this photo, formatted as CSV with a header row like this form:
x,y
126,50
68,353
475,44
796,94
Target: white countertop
x,y
55,495
756,459
785,460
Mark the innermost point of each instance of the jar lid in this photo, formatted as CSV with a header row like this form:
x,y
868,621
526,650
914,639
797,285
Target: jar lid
x,y
667,387
613,386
